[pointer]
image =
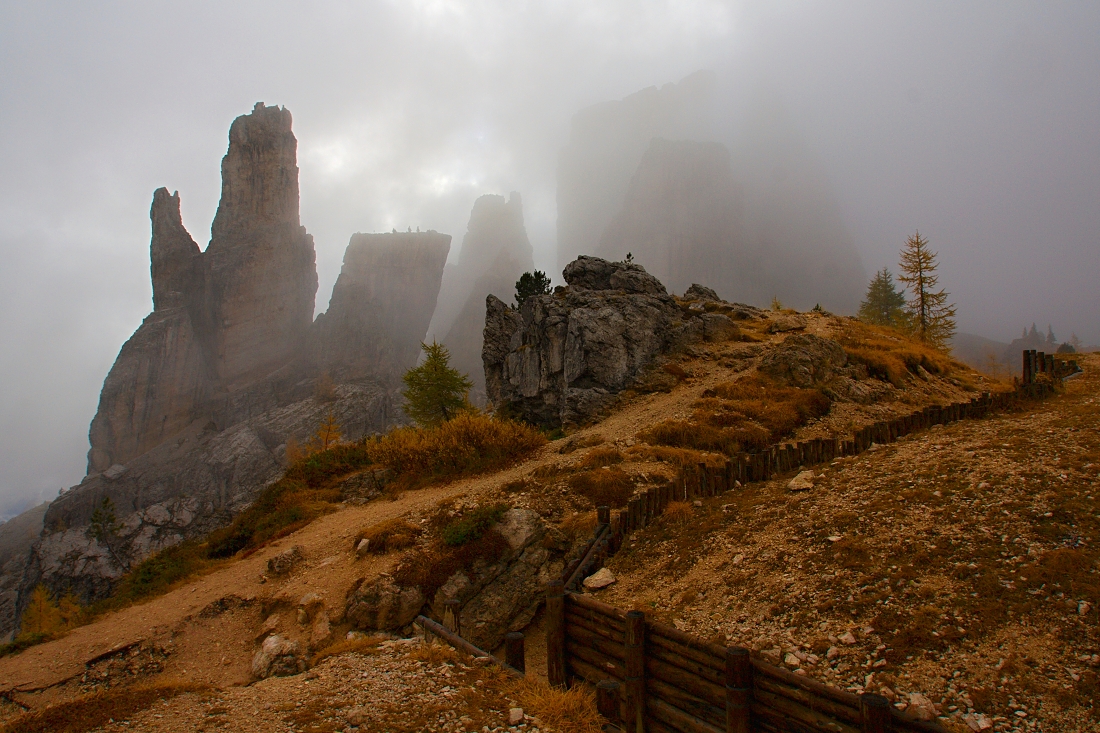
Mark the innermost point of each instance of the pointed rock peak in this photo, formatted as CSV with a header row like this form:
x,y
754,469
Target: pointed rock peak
x,y
259,173
171,251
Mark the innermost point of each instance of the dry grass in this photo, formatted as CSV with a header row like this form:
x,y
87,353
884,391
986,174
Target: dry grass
x,y
612,487
92,711
586,441
384,537
601,457
680,457
889,354
748,414
470,443
367,645
428,568
568,711
679,512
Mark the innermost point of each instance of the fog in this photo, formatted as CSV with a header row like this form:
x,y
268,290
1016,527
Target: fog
x,y
976,123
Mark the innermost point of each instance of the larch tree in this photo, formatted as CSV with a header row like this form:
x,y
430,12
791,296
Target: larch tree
x,y
328,433
930,317
884,304
434,391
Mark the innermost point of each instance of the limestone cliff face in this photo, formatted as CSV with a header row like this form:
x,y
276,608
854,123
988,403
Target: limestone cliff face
x,y
744,207
381,305
224,318
562,359
606,142
161,375
259,272
683,220
195,414
495,252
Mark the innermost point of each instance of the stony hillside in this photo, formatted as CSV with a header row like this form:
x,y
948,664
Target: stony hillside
x,y
955,572
824,374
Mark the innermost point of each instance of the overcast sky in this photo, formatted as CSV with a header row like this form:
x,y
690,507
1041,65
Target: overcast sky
x,y
978,123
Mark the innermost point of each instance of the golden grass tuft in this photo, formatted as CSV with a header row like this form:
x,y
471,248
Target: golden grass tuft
x,y
600,457
470,443
679,512
612,487
367,645
387,536
680,457
748,414
889,354
95,710
568,711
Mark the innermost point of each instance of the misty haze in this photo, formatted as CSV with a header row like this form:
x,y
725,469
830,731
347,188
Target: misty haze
x,y
330,330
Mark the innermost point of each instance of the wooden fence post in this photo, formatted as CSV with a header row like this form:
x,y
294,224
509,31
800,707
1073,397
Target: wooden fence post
x,y
452,616
607,699
634,657
514,655
874,712
738,690
555,633
702,479
603,515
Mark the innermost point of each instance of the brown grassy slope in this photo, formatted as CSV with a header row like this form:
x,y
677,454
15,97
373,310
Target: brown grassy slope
x,y
964,561
216,648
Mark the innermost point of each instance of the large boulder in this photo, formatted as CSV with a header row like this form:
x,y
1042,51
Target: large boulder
x,y
563,358
805,360
383,605
278,657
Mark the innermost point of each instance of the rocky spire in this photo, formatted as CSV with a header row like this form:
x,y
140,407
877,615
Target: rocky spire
x,y
259,272
172,252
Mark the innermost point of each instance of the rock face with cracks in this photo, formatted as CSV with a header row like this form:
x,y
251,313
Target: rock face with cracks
x,y
196,412
562,358
381,305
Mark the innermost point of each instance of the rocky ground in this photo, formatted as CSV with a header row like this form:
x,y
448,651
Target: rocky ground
x,y
954,571
208,631
392,685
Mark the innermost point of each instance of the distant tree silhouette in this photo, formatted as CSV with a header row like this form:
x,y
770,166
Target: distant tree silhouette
x,y
930,317
530,284
884,304
434,392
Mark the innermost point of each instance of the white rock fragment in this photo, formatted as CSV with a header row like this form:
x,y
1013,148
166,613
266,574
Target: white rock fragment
x,y
599,579
802,482
515,716
847,638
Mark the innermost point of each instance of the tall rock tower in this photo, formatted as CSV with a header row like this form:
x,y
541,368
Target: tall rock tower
x,y
259,274
221,318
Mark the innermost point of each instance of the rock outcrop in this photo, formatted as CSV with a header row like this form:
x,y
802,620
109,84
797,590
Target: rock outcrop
x,y
17,535
196,412
495,252
494,597
224,318
561,359
381,305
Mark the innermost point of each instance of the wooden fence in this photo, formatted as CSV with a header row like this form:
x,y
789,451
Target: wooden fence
x,y
1037,364
653,677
